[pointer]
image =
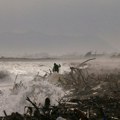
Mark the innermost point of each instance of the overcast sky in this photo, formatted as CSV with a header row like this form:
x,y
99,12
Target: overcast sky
x,y
59,26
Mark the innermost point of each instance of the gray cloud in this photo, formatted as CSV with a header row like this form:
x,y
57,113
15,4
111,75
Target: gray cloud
x,y
59,26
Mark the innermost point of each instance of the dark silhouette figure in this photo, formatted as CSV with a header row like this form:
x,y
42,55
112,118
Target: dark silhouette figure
x,y
56,68
47,103
46,110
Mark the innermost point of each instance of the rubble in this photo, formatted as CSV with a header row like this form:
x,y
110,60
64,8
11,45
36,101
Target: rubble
x,y
92,97
94,108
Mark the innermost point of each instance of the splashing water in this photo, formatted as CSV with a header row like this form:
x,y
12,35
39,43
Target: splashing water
x,y
37,90
13,99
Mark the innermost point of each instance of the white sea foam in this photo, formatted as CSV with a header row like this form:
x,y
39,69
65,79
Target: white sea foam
x,y
33,86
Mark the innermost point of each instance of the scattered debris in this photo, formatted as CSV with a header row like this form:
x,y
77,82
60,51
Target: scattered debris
x,y
93,97
94,108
